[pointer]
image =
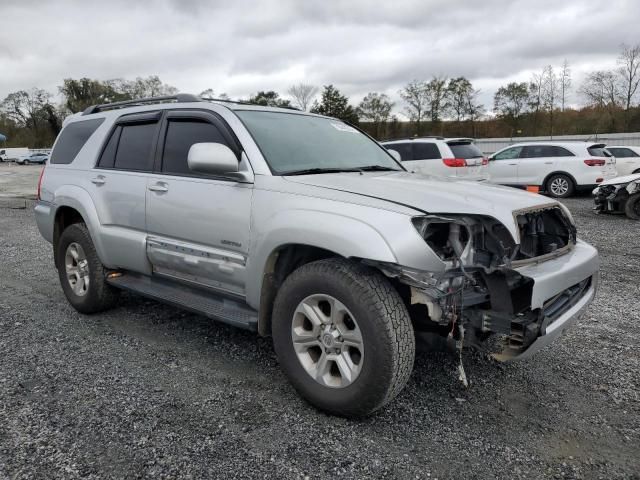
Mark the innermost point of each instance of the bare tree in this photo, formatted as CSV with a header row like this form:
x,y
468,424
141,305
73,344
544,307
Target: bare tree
x,y
602,90
417,99
535,97
303,94
549,93
565,83
629,62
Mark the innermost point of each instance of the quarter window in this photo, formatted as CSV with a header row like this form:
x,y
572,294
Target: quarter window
x,y
181,134
426,151
72,139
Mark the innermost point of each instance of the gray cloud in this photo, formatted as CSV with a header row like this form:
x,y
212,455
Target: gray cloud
x,y
242,46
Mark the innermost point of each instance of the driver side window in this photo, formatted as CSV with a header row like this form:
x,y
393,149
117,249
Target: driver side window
x,y
508,154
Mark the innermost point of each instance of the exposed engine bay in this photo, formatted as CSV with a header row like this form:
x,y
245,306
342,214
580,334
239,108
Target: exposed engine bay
x,y
619,195
480,299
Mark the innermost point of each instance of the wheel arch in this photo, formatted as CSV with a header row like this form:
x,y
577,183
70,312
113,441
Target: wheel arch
x,y
559,172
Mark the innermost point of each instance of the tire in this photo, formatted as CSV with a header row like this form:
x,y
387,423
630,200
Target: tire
x,y
363,298
26,162
632,207
560,185
97,295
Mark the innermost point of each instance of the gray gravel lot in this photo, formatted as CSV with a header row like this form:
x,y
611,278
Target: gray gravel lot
x,y
149,391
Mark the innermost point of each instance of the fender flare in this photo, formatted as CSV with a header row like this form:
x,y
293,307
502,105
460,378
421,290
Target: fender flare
x,y
79,199
306,227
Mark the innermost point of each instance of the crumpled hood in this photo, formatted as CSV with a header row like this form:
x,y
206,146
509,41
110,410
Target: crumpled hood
x,y
624,179
433,194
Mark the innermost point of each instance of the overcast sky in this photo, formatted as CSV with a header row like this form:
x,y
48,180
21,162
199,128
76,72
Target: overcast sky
x,y
240,47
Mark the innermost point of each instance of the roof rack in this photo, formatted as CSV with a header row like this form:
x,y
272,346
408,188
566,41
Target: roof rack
x,y
180,97
437,137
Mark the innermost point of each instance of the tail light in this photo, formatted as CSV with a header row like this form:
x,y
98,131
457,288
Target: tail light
x,y
454,162
592,162
40,183
485,161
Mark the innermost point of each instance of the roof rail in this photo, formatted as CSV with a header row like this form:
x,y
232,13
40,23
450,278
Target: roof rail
x,y
437,137
180,97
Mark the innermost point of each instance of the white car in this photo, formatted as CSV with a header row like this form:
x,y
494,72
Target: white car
x,y
447,157
627,159
559,168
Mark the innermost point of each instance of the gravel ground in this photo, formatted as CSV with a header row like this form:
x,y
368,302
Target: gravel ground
x,y
149,391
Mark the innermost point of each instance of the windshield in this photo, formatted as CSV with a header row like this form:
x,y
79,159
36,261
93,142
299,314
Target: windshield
x,y
294,143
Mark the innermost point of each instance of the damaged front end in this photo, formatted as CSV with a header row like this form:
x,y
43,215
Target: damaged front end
x,y
481,299
619,195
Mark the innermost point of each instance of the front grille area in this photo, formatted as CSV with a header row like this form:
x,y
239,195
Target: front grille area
x,y
556,306
543,232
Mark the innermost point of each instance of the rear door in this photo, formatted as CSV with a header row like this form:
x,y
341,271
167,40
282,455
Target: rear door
x,y
198,225
427,159
118,188
627,160
503,166
537,161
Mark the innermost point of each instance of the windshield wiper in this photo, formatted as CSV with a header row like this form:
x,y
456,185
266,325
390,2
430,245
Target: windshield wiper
x,y
378,168
313,171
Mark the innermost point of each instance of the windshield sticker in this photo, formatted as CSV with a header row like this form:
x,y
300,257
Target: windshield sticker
x,y
343,127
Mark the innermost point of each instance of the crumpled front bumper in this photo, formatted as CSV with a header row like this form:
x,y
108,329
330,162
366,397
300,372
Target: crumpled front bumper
x,y
553,277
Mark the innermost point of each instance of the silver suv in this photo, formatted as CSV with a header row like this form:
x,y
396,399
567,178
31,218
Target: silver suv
x,y
302,228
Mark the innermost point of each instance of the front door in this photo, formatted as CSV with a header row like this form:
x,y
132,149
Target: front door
x,y
197,225
503,166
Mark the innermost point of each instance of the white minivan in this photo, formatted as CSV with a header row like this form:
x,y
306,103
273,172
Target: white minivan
x,y
447,157
559,168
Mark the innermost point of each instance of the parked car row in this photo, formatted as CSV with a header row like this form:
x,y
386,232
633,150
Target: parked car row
x,y
23,158
556,168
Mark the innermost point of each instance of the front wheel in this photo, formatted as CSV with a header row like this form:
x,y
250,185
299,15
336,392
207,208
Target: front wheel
x,y
343,336
560,186
632,207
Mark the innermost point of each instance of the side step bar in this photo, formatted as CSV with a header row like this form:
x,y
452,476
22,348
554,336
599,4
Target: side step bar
x,y
209,304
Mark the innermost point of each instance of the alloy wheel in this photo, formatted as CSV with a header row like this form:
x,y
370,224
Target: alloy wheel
x,y
77,269
327,341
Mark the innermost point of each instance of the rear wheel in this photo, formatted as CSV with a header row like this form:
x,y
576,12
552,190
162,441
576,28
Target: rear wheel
x,y
82,275
632,207
26,162
343,336
560,186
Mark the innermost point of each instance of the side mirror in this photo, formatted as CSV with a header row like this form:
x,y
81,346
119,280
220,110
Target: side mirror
x,y
212,158
395,154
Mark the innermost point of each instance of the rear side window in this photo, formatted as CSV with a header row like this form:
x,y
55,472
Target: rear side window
x,y
72,139
135,147
539,151
622,152
404,149
181,134
465,150
426,151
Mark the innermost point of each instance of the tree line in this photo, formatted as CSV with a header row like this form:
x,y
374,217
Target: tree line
x,y
607,101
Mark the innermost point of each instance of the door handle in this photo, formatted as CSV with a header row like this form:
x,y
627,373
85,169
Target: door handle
x,y
513,164
548,163
99,180
159,187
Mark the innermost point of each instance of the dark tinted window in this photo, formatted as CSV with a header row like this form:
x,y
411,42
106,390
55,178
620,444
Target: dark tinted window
x,y
404,149
426,151
538,151
108,157
465,150
561,152
622,152
135,147
181,134
72,139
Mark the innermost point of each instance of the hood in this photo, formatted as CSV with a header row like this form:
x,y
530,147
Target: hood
x,y
624,179
433,194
